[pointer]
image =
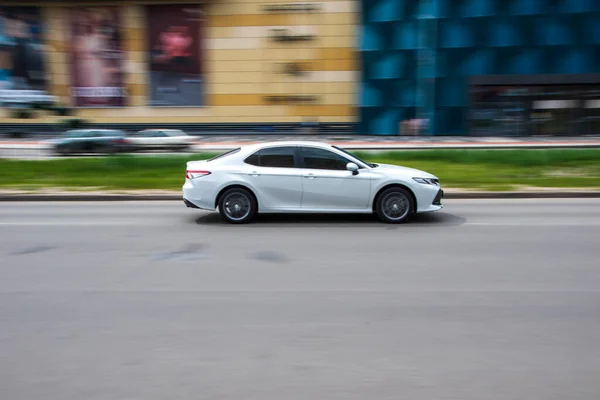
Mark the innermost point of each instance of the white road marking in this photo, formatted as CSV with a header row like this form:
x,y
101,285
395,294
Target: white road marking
x,y
525,224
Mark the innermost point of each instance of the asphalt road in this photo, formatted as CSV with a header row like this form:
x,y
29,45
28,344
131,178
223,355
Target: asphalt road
x,y
485,300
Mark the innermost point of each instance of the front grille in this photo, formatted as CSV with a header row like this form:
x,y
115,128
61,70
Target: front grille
x,y
438,198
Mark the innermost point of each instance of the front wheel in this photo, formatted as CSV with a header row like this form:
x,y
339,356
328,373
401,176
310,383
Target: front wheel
x,y
237,206
394,206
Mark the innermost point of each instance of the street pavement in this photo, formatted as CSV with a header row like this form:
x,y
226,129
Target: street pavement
x,y
487,299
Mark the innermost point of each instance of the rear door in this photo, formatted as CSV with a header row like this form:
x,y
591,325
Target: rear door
x,y
91,140
273,173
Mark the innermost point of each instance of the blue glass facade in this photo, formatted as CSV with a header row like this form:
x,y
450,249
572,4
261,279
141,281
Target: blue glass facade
x,y
419,55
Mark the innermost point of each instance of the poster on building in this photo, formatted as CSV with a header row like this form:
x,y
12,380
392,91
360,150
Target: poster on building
x,y
97,58
175,54
22,56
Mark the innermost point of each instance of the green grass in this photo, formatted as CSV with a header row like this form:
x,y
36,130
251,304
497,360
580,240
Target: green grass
x,y
503,169
467,169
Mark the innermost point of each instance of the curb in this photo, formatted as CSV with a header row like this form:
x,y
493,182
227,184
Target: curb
x,y
171,197
89,197
523,195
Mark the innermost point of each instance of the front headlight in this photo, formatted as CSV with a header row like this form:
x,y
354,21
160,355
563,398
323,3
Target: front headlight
x,y
427,181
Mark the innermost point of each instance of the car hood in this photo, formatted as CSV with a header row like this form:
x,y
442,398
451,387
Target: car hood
x,y
405,171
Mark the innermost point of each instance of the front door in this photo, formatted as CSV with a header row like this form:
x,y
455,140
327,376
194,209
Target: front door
x,y
328,185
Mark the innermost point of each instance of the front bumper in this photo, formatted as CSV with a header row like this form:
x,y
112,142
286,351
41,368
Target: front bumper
x,y
437,201
430,199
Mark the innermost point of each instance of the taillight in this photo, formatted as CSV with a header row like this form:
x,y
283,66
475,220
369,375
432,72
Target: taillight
x,y
193,174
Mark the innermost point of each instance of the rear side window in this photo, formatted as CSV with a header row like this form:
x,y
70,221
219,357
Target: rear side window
x,y
274,157
254,159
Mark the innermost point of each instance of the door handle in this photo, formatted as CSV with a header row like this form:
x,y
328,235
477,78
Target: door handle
x,y
309,176
254,173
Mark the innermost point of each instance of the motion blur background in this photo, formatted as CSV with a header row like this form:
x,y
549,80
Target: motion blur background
x,y
379,67
487,299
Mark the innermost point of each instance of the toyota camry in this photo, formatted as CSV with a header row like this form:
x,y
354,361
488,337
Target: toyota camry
x,y
306,177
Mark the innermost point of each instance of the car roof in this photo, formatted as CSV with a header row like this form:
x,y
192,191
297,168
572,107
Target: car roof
x,y
85,130
160,130
258,146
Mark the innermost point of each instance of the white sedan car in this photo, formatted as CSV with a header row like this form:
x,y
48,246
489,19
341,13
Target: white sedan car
x,y
306,177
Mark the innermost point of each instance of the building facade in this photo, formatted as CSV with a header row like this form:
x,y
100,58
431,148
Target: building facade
x,y
446,67
248,62
481,67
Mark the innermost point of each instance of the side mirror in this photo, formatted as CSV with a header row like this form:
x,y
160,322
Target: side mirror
x,y
352,167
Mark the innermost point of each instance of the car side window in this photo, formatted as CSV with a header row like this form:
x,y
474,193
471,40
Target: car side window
x,y
254,159
315,158
274,157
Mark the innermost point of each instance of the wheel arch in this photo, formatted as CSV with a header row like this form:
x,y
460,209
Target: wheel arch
x,y
392,185
233,186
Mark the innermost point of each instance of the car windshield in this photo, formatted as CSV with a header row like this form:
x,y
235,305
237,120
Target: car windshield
x,y
112,133
74,134
372,165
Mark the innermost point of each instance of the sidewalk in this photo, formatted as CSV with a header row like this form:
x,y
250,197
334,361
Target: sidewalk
x,y
408,142
363,142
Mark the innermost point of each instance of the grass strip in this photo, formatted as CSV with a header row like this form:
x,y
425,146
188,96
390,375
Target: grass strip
x,y
466,169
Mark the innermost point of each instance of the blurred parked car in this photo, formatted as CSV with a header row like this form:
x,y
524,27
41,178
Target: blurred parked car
x,y
161,139
79,141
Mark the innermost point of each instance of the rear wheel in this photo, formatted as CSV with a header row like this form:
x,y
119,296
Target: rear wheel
x,y
395,205
237,206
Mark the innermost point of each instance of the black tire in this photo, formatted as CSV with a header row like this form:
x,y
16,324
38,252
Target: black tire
x,y
395,205
237,206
